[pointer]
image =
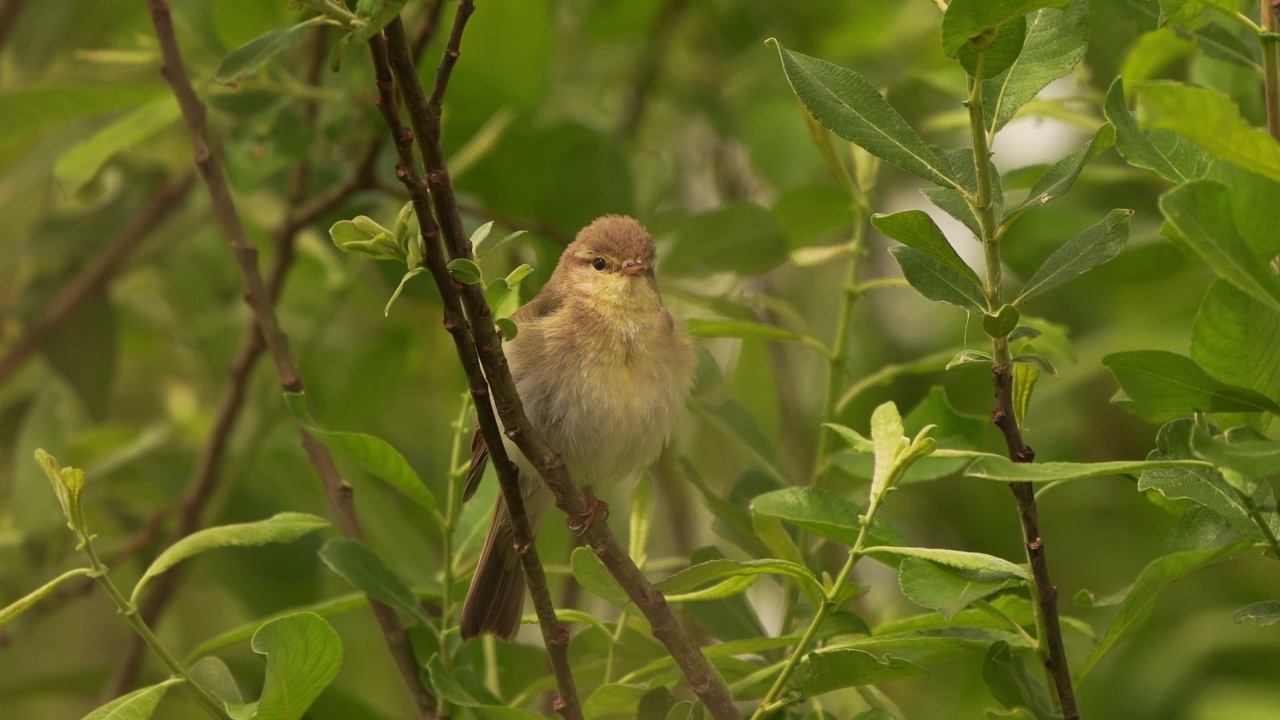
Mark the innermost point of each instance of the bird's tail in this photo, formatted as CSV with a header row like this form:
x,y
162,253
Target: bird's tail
x,y
495,600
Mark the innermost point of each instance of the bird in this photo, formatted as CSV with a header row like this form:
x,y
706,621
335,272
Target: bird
x,y
604,370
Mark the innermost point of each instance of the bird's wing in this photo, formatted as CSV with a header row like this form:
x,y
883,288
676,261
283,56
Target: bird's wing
x,y
479,458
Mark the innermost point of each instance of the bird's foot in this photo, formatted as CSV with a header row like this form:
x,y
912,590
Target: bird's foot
x,y
579,525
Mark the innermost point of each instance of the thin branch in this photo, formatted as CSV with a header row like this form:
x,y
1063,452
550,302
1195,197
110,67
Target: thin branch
x,y
424,114
9,12
259,299
429,27
555,634
1270,43
94,279
649,67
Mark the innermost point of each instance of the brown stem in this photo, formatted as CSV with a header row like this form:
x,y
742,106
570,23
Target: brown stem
x,y
1271,66
94,279
649,67
1024,494
424,115
259,299
9,12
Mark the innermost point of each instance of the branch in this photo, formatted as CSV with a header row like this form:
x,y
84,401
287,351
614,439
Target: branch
x,y
424,114
555,634
649,66
94,279
9,12
259,299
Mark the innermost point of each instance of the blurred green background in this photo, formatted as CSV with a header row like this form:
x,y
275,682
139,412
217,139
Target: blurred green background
x,y
672,111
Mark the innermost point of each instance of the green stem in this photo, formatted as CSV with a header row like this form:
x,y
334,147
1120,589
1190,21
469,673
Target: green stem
x,y
130,613
828,606
991,610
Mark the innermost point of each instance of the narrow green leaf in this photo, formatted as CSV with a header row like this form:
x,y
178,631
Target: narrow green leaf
x,y
1164,153
1002,323
490,247
81,163
1025,376
966,19
1001,53
213,675
1256,458
847,104
1094,246
612,699
595,577
1202,485
1007,678
931,586
137,705
821,513
282,527
953,203
694,577
368,573
1142,596
888,442
976,566
478,237
641,521
938,282
1260,614
446,686
378,458
1055,42
914,228
1162,386
1201,212
25,603
246,59
1060,176
738,329
303,655
375,14
1181,11
465,271
386,311
1002,469
1212,121
841,668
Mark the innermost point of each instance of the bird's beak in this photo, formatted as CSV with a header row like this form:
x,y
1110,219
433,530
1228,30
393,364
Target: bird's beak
x,y
634,267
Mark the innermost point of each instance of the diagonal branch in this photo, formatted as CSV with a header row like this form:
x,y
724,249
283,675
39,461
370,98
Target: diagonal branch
x,y
424,114
649,67
259,299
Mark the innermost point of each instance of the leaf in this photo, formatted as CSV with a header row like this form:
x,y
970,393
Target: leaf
x,y
591,573
736,421
213,675
499,243
1092,247
282,527
1002,323
953,203
1204,486
1162,386
326,608
1009,682
248,58
888,444
696,576
1141,597
26,602
740,237
29,113
612,699
931,586
915,229
91,374
478,237
975,566
1002,469
966,19
641,521
378,458
1059,178
1054,44
1236,339
738,329
821,513
465,271
1166,154
1001,53
446,686
847,104
81,163
1255,458
1255,215
1212,121
1260,614
303,656
841,668
1181,11
376,14
507,327
938,282
1201,212
137,705
386,311
368,573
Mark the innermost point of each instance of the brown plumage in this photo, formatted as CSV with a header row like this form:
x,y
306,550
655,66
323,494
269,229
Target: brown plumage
x,y
603,370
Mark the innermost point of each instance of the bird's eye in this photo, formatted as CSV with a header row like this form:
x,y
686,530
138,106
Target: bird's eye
x,y
599,264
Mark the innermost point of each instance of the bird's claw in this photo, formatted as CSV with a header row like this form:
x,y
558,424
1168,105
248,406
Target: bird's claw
x,y
579,525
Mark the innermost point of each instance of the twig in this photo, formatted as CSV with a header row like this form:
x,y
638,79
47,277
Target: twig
x,y
9,12
338,491
428,29
424,114
1271,65
649,66
95,278
555,634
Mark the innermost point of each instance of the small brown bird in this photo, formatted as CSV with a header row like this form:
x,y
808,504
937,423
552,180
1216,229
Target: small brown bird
x,y
603,370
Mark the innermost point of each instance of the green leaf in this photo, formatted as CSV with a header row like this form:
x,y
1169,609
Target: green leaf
x,y
612,699
1001,53
507,327
1260,614
1256,216
641,521
953,203
213,675
740,237
1059,178
738,329
1204,486
1201,212
692,578
81,163
1255,458
1009,682
368,573
375,14
1164,153
91,375
248,58
29,113
841,668
931,586
889,444
1002,323
465,271
1141,597
303,655
1212,121
736,421
499,243
137,705
1094,246
975,566
1002,469
1162,386
1236,339
591,573
966,19
938,282
282,527
25,603
447,687
1054,44
481,233
386,311
915,229
821,513
378,458
844,102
